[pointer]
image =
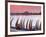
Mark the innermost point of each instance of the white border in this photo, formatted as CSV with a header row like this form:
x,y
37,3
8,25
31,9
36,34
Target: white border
x,y
27,32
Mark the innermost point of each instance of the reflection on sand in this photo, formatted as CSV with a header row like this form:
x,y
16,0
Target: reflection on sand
x,y
24,23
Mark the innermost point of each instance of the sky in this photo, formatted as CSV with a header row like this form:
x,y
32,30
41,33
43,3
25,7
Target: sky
x,y
21,9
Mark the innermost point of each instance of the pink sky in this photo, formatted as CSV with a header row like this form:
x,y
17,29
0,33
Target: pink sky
x,y
17,9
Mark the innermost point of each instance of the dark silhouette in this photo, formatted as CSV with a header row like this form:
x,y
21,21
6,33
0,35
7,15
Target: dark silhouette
x,y
17,25
38,26
11,22
30,25
27,26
